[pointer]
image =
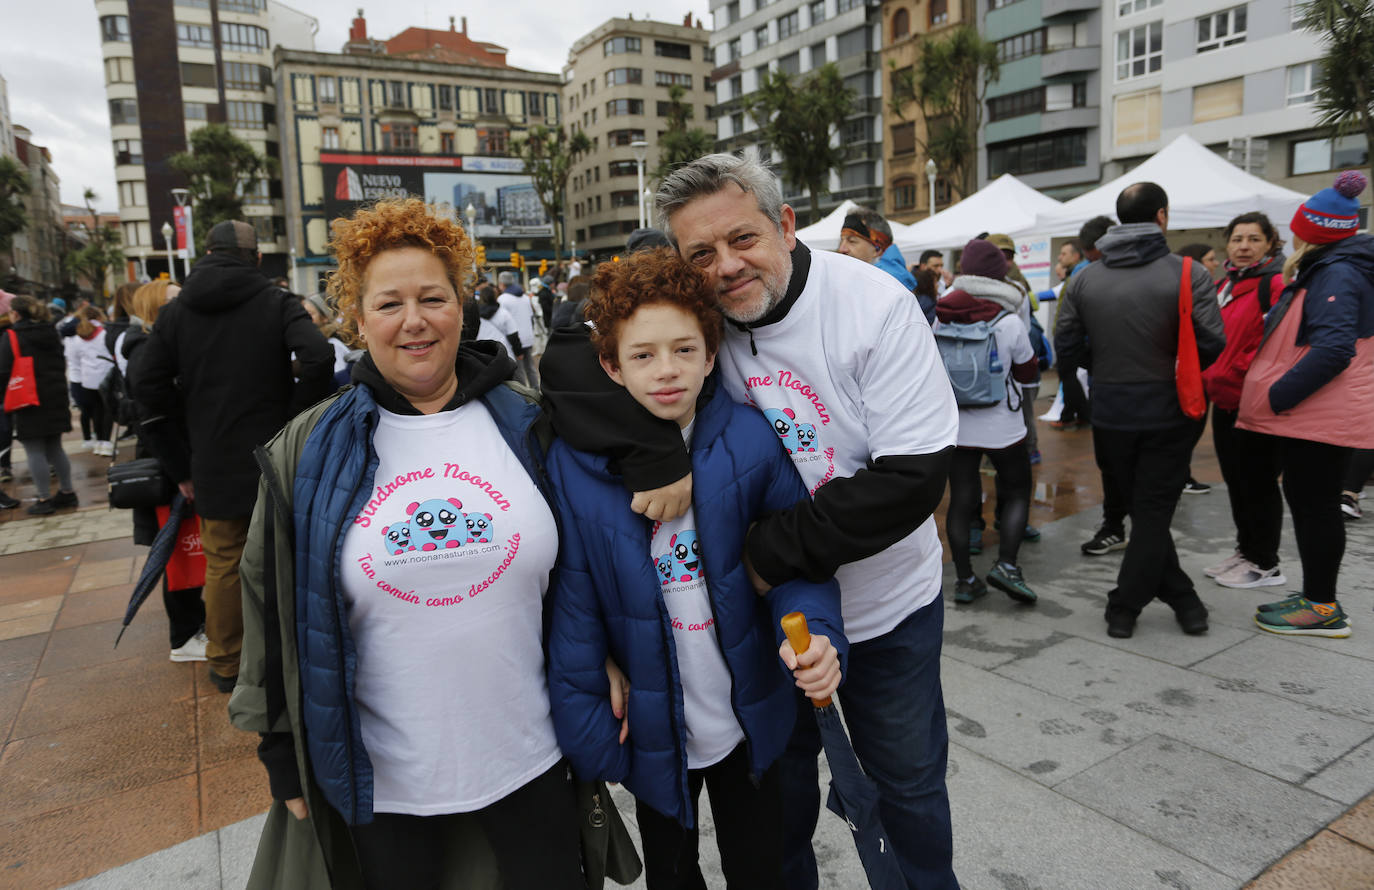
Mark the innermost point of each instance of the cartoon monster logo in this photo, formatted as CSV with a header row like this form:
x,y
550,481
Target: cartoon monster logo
x,y
686,554
437,523
479,528
806,437
664,564
784,422
397,538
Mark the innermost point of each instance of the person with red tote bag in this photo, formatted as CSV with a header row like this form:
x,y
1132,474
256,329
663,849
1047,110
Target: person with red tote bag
x,y
32,351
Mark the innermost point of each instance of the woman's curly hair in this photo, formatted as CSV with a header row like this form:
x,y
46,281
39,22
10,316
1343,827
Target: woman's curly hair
x,y
644,279
386,225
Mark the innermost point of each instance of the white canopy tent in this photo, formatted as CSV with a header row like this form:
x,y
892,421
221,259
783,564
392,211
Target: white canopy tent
x,y
1004,205
1205,191
825,234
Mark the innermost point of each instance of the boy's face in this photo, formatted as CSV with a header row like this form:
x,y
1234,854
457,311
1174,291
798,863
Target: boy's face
x,y
662,361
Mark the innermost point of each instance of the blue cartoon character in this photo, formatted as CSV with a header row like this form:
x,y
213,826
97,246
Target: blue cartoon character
x,y
397,537
664,564
784,422
806,437
436,524
686,554
479,528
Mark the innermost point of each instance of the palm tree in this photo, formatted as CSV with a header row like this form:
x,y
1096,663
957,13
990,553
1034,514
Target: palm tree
x,y
1345,86
800,119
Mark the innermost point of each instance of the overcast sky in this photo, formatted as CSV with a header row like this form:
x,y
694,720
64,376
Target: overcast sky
x,y
50,59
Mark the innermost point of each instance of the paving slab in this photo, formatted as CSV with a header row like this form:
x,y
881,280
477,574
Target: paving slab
x,y
190,865
1321,678
238,843
1348,778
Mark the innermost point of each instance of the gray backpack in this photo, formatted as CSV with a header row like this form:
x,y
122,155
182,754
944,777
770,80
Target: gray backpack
x,y
975,370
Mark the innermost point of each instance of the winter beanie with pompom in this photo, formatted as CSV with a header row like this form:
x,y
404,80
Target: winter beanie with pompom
x,y
1332,213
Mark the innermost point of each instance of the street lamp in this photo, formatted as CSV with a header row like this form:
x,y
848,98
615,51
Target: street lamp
x,y
471,213
931,171
641,150
167,232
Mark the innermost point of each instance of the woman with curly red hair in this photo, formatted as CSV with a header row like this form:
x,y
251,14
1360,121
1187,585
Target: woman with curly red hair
x,y
393,582
671,602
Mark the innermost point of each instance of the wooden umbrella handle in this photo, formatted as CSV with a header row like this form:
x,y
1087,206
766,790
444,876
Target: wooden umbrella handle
x,y
794,626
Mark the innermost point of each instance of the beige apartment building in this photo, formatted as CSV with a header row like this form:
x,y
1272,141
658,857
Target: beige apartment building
x,y
616,88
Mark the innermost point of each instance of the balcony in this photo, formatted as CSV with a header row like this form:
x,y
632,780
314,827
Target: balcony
x,y
1070,119
729,69
1071,60
1051,8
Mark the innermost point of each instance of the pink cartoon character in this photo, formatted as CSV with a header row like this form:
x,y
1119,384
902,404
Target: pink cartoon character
x,y
437,523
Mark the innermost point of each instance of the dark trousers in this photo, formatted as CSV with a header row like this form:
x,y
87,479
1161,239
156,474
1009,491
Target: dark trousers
x,y
6,440
79,400
93,407
965,500
1113,503
1312,476
1360,467
895,711
1151,467
1075,399
185,613
748,826
533,831
1250,467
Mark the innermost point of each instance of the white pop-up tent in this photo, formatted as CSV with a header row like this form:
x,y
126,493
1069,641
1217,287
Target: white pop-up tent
x,y
1205,191
1004,205
825,234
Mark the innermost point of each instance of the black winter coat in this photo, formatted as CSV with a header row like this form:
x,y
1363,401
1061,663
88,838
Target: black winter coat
x,y
51,416
219,361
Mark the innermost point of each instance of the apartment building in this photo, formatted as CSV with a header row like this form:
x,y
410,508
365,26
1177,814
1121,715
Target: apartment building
x,y
171,68
6,125
616,91
37,251
753,37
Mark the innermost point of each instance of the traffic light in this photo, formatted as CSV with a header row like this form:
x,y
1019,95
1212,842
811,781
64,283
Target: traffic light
x,y
517,260
543,267
481,255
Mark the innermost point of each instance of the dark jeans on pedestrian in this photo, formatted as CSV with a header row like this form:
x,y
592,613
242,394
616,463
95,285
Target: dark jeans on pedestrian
x,y
1151,467
533,831
1312,476
79,401
185,613
748,825
1075,399
1359,469
1113,503
93,406
965,500
895,711
6,440
42,454
1250,467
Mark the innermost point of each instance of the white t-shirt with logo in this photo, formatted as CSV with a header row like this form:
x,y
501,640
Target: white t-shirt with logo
x,y
713,731
522,312
852,374
1003,424
444,572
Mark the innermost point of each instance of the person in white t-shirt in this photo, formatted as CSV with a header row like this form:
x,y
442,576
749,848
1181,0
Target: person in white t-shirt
x,y
514,300
981,293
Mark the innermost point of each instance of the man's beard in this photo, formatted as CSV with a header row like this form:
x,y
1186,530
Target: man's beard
x,y
773,294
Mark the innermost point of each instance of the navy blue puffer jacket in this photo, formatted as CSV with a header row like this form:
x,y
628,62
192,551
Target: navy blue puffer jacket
x,y
607,599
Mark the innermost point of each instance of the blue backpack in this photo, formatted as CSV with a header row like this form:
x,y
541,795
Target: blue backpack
x,y
975,370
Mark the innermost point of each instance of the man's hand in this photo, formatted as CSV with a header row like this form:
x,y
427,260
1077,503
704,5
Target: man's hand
x,y
817,670
663,504
188,491
620,696
296,807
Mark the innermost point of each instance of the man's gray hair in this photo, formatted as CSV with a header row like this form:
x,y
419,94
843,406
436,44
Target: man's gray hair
x,y
708,175
506,278
874,220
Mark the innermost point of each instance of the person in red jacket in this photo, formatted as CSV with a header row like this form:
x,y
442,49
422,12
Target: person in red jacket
x,y
1249,462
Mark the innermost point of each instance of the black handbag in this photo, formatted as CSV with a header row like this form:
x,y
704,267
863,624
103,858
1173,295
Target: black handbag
x,y
138,483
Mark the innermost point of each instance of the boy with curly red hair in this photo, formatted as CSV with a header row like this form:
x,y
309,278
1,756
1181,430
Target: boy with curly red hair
x,y
708,674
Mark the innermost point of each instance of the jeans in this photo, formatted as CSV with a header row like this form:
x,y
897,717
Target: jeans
x,y
965,490
524,368
1312,476
1250,466
895,710
42,454
222,540
79,400
6,440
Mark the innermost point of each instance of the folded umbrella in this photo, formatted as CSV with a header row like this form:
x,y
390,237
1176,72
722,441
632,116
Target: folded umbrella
x,y
853,796
159,552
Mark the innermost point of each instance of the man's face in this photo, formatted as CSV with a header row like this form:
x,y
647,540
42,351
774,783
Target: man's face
x,y
936,264
853,245
746,258
1068,257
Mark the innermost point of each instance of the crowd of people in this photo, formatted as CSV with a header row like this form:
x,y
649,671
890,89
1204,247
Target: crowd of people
x,y
455,595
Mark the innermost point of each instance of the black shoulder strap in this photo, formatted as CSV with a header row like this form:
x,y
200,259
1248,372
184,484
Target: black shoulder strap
x,y
1265,293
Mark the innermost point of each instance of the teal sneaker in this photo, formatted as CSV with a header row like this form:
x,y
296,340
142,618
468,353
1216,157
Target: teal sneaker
x,y
1279,604
1030,534
1300,616
1007,578
968,591
975,541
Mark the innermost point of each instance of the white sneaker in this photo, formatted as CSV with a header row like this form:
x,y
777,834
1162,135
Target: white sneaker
x,y
89,444
104,449
1224,566
191,650
1246,575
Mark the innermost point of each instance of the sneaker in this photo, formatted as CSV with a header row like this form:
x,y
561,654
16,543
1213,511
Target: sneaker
x,y
1350,505
6,474
42,508
1192,486
1278,604
970,590
975,541
1104,542
64,499
223,684
105,449
1031,534
89,444
1300,616
1225,565
1245,575
7,502
191,650
1007,578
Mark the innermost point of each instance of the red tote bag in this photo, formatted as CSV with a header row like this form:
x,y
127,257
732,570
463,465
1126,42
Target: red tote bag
x,y
1188,370
186,566
22,391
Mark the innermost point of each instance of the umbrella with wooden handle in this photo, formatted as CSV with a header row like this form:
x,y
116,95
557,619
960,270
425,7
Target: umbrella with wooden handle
x,y
853,796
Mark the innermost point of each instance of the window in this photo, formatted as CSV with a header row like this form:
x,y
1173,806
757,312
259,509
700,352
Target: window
x,y
904,193
128,151
194,4
247,6
852,42
123,111
939,13
447,144
670,78
329,138
789,24
1037,154
1302,83
114,27
857,130
245,115
901,24
736,123
818,54
618,107
1320,155
119,70
133,194
617,45
445,97
400,137
665,109
1016,104
861,84
327,89
998,4
242,38
790,64
904,138
618,76
817,11
732,50
194,74
534,104
856,175
732,12
246,76
1137,118
943,194
195,111
1224,28
195,35
491,100
1139,50
760,36
262,226
396,94
625,198
846,5
624,137
622,168
670,50
1214,101
1131,7
1031,43
495,141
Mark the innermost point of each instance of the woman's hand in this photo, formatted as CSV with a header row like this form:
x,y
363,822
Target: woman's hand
x,y
620,696
817,670
296,807
663,504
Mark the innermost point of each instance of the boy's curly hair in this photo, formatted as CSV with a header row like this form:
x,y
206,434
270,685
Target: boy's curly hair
x,y
643,279
399,222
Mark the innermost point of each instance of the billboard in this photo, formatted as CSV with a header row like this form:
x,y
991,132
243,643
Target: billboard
x,y
497,188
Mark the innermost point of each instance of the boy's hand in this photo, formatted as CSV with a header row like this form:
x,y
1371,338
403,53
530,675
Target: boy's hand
x,y
296,807
663,504
620,696
817,670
